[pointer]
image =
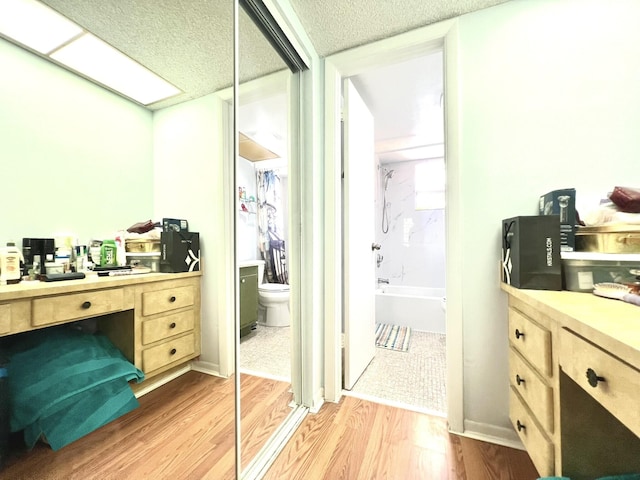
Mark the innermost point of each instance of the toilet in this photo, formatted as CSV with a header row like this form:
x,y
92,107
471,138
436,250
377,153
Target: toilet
x,y
273,302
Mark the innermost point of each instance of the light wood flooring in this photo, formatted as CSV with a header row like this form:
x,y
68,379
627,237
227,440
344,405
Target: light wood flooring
x,y
184,430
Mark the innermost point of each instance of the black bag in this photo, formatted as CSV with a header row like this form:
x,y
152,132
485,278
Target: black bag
x,y
180,252
531,252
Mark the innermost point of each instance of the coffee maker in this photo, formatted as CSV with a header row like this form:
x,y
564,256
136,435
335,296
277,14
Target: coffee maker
x,y
44,248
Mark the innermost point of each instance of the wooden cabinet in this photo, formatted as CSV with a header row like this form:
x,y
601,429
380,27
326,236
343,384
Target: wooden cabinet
x,y
153,319
248,299
76,306
169,318
531,385
574,382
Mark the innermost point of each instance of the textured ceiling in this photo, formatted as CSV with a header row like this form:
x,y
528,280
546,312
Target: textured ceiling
x,y
189,42
337,25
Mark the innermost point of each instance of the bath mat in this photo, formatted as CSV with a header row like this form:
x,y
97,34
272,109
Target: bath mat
x,y
393,337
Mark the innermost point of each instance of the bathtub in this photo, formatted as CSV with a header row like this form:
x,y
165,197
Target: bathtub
x,y
416,307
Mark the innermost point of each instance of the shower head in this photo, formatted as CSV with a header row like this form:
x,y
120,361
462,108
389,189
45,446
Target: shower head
x,y
388,174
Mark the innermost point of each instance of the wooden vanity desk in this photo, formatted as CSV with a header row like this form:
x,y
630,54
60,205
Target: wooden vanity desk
x,y
154,318
574,369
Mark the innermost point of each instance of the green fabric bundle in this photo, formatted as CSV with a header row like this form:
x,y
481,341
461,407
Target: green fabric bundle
x,y
64,383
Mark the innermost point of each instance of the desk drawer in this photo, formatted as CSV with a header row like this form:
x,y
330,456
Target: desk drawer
x,y
169,352
532,388
538,445
531,340
618,387
76,306
167,300
168,326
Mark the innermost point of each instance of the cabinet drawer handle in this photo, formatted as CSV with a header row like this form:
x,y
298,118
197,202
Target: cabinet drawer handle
x,y
243,280
172,325
520,426
173,351
593,377
519,334
172,299
86,305
519,379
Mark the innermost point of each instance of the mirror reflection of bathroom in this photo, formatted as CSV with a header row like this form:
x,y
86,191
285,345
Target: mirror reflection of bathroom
x,y
262,236
407,100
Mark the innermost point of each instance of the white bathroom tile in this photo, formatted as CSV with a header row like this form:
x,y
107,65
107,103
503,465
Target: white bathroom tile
x,y
413,250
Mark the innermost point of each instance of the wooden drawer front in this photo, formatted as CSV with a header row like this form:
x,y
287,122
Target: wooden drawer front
x,y
166,300
165,327
76,306
538,445
169,352
531,340
5,318
532,388
618,392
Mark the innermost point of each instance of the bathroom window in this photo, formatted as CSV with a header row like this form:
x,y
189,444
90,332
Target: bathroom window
x,y
430,184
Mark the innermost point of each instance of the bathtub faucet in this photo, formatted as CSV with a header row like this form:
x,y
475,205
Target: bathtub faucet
x,y
383,280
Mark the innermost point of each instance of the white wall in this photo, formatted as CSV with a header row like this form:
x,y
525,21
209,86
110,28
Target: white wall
x,y
190,181
74,157
550,98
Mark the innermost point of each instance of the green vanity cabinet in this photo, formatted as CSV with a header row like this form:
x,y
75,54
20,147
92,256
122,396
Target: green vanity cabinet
x,y
248,299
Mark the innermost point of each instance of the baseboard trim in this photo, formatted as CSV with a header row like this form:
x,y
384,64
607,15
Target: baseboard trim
x,y
255,373
507,437
207,367
160,380
318,401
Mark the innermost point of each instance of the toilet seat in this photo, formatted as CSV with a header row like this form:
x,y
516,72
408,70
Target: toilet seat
x,y
273,287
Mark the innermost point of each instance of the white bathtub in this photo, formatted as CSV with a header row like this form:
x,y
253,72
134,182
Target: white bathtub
x,y
416,307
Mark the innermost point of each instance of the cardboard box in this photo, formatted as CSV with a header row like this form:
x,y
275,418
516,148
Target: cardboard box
x,y
180,252
531,252
562,203
174,225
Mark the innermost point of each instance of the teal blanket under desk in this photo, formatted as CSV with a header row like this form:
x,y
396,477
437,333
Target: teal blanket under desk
x,y
64,383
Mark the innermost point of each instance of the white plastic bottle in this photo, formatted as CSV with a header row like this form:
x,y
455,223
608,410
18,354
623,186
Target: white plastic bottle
x,y
10,257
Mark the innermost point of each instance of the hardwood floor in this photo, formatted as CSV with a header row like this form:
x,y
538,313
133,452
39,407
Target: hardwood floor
x,y
184,430
358,439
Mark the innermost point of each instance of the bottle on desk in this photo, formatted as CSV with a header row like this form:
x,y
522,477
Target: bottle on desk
x,y
108,253
10,258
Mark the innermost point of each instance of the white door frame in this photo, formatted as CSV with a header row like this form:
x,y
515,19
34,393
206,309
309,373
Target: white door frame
x,y
422,41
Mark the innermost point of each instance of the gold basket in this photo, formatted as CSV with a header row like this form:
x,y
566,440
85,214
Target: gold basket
x,y
142,246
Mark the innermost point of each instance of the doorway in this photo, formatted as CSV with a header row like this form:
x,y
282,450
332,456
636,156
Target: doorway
x,y
352,63
263,228
408,368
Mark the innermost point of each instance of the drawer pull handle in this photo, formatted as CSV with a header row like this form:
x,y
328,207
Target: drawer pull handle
x,y
172,299
593,377
519,334
519,379
173,351
86,305
172,325
520,426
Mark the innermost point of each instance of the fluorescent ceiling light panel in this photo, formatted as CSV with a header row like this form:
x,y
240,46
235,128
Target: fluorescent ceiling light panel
x,y
98,60
35,25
